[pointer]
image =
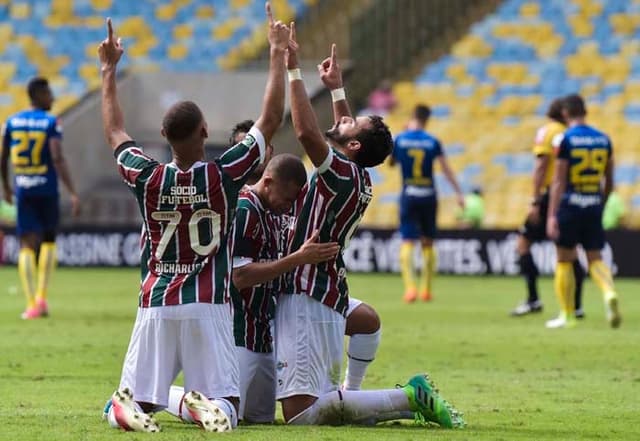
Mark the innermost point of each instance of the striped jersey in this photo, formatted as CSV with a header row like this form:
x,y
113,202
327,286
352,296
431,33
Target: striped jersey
x,y
333,202
256,239
547,142
187,218
27,135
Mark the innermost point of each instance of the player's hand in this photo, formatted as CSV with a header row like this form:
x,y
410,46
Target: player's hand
x,y
292,49
278,31
75,205
534,214
312,252
111,49
553,230
330,72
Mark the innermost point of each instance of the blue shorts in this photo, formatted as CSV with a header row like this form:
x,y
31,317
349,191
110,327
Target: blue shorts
x,y
418,217
580,225
37,214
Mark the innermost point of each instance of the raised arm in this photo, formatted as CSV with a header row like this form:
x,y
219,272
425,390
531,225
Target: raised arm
x,y
331,76
110,51
451,177
304,119
60,164
273,103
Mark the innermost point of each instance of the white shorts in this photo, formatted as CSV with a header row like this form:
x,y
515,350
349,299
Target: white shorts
x,y
353,304
309,346
257,386
196,338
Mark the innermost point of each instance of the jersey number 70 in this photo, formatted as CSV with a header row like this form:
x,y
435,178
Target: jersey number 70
x,y
173,218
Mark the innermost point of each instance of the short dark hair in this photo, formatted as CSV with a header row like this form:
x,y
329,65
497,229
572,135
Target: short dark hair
x,y
574,105
181,120
241,127
422,112
287,168
36,86
376,143
554,111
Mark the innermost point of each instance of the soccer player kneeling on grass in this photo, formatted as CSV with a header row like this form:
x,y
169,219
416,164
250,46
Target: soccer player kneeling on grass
x,y
184,321
310,320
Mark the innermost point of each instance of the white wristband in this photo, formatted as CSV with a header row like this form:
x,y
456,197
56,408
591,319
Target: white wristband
x,y
338,95
294,74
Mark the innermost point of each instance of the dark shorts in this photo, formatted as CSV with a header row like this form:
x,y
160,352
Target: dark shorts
x,y
537,232
37,214
580,225
418,217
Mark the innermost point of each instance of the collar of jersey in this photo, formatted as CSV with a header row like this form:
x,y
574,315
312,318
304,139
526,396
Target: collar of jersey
x,y
195,164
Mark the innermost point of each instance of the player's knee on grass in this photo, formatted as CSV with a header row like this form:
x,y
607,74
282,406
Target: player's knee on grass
x,y
363,320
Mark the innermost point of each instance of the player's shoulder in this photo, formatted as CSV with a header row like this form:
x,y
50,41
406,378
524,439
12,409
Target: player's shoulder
x,y
250,201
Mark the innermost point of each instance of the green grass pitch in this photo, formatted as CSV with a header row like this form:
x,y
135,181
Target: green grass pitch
x,y
513,379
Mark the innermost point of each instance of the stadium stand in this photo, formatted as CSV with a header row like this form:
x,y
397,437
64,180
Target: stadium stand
x,y
58,39
490,93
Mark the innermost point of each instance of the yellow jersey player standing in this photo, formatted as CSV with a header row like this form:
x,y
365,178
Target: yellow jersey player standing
x,y
534,229
582,182
33,140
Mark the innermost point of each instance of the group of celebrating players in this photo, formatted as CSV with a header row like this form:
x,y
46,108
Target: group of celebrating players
x,y
249,229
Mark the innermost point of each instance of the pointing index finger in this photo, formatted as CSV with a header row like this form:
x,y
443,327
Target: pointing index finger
x,y
110,30
267,6
334,54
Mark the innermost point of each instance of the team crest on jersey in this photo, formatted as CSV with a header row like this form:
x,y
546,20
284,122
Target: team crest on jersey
x,y
248,140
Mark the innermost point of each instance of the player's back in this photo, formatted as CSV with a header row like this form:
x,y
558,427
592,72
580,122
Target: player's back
x,y
28,134
415,151
547,142
588,151
333,202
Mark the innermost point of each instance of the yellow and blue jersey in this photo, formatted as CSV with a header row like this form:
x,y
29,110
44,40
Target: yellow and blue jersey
x,y
588,152
27,135
415,151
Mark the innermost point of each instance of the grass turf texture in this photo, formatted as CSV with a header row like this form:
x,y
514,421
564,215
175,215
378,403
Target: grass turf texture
x,y
513,379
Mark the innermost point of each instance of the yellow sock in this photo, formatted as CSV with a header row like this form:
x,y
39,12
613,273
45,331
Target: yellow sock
x,y
26,269
406,266
46,264
601,275
565,286
428,258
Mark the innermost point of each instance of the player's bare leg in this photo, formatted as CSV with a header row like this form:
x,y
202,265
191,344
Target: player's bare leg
x,y
363,328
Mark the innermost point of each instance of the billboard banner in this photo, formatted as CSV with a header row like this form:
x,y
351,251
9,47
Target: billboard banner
x,y
472,252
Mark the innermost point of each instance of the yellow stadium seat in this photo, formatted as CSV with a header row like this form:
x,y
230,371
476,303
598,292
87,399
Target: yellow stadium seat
x,y
239,4
178,51
101,5
530,10
226,29
166,12
205,12
182,31
19,11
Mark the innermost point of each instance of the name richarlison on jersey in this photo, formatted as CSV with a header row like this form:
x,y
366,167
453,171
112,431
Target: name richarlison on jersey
x,y
183,195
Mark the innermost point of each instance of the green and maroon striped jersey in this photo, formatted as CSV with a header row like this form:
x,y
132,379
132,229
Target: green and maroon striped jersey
x,y
333,202
187,218
257,232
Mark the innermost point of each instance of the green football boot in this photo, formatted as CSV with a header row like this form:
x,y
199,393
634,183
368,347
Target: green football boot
x,y
425,400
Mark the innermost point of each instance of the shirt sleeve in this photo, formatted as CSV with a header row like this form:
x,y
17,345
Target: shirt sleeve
x,y
543,145
564,151
134,165
438,149
336,172
248,236
240,160
55,128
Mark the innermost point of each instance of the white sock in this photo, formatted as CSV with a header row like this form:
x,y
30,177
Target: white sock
x,y
176,406
360,353
356,407
228,408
